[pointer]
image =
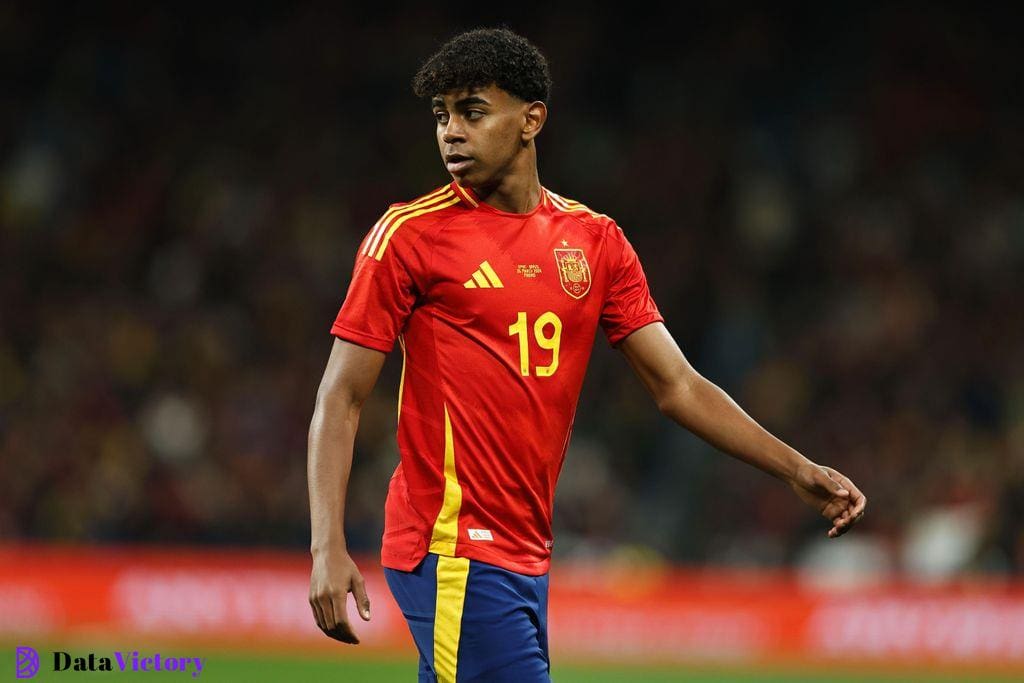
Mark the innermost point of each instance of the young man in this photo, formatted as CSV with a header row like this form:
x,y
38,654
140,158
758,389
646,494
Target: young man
x,y
494,287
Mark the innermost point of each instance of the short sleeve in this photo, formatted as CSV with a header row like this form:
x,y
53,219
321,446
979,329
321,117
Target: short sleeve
x,y
628,305
380,298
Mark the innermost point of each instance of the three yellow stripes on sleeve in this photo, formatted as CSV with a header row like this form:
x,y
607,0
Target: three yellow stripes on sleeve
x,y
380,235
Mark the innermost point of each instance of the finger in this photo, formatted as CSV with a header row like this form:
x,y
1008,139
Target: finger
x,y
841,526
825,478
845,517
856,495
318,613
343,634
855,517
834,508
857,499
860,502
330,618
362,599
341,625
837,530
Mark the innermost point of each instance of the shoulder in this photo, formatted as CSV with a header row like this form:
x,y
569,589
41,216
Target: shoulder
x,y
433,207
405,223
599,223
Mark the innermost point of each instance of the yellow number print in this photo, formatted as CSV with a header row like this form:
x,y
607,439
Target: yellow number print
x,y
550,342
519,327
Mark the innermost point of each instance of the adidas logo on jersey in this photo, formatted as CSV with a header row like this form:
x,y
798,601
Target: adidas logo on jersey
x,y
480,535
484,277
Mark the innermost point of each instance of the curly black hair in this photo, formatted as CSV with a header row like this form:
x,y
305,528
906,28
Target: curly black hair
x,y
477,58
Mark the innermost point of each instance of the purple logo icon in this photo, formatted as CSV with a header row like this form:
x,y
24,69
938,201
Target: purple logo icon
x,y
26,662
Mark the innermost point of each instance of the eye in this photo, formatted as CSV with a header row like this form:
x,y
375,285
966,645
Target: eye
x,y
441,116
474,114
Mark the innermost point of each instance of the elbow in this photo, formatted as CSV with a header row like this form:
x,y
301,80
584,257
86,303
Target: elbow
x,y
669,400
334,415
674,398
334,399
664,405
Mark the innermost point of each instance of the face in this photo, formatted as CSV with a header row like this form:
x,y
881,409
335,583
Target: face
x,y
481,132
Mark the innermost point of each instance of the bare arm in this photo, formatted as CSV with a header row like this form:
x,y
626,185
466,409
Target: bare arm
x,y
689,399
351,373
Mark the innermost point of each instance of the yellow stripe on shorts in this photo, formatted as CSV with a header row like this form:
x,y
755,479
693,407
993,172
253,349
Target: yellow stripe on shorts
x,y
451,595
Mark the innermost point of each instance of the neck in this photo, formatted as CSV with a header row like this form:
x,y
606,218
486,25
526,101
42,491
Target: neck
x,y
517,191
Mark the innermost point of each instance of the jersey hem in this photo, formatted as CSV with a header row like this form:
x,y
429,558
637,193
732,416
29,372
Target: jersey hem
x,y
362,339
633,326
408,563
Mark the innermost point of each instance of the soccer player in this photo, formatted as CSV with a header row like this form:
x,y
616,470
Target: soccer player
x,y
494,287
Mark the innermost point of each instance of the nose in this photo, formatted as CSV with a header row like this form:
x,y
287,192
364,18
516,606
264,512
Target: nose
x,y
453,131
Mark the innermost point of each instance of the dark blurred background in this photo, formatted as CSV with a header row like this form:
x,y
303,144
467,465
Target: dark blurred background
x,y
829,206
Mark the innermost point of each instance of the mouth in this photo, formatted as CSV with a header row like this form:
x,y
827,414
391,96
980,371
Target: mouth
x,y
456,163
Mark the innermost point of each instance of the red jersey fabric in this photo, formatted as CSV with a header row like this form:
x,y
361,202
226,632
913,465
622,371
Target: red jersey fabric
x,y
496,315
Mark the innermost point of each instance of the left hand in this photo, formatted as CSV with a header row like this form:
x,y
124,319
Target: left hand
x,y
830,493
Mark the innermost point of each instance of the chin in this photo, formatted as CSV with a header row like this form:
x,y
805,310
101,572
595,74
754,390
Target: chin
x,y
464,179
473,178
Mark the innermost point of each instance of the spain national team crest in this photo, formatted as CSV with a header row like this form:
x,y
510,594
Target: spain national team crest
x,y
573,271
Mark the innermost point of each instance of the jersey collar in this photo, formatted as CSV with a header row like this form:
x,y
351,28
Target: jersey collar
x,y
467,195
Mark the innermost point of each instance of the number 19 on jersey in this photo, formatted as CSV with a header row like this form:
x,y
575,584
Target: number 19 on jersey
x,y
546,341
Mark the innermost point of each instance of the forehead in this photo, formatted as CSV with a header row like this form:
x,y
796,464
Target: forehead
x,y
491,94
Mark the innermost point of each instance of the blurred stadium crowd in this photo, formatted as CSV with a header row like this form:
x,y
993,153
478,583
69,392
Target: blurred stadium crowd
x,y
830,210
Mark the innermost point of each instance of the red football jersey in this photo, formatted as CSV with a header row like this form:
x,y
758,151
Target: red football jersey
x,y
496,314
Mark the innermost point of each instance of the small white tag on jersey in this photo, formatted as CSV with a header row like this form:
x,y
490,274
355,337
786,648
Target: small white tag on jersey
x,y
548,544
480,535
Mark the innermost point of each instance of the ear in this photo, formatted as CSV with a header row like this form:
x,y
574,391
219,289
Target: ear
x,y
536,115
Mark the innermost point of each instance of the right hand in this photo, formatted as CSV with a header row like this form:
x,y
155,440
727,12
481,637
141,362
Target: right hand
x,y
830,493
334,576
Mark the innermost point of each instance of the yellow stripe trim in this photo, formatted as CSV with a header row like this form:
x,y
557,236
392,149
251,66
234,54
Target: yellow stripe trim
x,y
452,573
465,195
446,526
398,222
562,202
481,280
402,211
469,284
430,195
570,206
401,381
558,201
373,236
378,227
491,275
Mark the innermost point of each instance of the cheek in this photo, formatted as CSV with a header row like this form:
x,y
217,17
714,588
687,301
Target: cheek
x,y
502,140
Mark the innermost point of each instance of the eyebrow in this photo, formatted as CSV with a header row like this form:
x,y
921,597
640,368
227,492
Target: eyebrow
x,y
464,102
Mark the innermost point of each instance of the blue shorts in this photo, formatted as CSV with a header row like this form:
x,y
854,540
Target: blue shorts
x,y
473,621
